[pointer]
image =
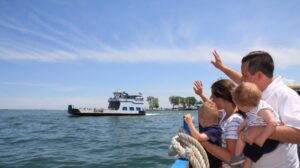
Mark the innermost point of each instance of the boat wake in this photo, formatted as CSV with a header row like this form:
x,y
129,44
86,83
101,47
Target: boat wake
x,y
153,114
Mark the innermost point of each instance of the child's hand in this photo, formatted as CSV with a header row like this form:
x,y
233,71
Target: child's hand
x,y
239,130
241,127
243,135
188,118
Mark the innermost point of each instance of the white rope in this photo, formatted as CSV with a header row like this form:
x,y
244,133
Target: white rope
x,y
187,147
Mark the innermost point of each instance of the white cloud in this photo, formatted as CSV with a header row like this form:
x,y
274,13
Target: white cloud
x,y
80,46
51,86
74,44
52,102
36,55
283,56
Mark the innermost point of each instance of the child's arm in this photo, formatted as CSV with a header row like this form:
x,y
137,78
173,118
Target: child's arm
x,y
242,127
268,116
195,133
240,144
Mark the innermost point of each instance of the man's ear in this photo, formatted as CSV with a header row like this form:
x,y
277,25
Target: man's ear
x,y
259,75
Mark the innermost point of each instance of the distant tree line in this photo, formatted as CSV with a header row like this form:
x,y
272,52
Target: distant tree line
x,y
175,101
185,102
153,102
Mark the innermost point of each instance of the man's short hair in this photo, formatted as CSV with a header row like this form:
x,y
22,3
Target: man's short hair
x,y
260,61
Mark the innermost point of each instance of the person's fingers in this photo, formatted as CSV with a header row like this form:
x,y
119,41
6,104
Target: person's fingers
x,y
212,62
214,52
196,86
200,83
218,59
195,83
195,90
217,56
185,117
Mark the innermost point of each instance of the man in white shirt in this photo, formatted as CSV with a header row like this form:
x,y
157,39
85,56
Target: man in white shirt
x,y
258,67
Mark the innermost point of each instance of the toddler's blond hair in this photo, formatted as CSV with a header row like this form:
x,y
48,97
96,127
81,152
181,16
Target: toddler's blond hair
x,y
209,111
247,94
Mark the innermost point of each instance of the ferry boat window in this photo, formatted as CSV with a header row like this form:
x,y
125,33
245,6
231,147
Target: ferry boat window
x,y
114,105
124,108
138,109
131,108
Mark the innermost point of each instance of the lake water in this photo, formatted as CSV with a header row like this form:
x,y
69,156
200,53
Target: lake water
x,y
43,138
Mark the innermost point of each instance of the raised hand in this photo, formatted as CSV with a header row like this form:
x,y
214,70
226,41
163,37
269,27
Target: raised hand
x,y
198,87
218,61
199,90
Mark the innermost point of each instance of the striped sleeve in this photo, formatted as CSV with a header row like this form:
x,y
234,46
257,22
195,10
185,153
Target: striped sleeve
x,y
230,131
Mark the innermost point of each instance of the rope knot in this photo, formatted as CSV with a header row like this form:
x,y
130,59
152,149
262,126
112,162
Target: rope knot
x,y
186,147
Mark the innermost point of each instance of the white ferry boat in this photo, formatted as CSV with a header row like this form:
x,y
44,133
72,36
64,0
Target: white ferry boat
x,y
121,104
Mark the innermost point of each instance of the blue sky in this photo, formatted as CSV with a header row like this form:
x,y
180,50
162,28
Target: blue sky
x,y
59,52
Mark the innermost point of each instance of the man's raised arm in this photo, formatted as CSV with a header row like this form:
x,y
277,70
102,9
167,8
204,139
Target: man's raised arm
x,y
231,73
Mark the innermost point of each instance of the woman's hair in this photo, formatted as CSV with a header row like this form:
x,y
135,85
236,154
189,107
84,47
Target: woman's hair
x,y
223,89
247,94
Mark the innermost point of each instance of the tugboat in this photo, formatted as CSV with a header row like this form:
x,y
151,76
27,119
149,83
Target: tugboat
x,y
119,105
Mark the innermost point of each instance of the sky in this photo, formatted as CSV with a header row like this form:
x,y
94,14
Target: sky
x,y
59,52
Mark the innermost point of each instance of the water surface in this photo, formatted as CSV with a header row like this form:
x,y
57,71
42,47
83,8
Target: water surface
x,y
43,138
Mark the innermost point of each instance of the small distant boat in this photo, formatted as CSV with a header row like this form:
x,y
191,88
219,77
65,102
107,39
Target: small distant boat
x,y
119,105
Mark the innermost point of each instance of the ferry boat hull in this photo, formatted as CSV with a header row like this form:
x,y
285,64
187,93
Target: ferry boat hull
x,y
79,112
121,104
